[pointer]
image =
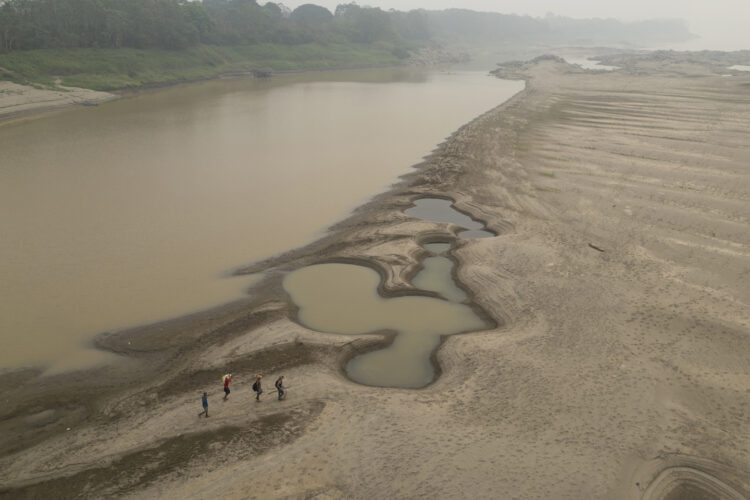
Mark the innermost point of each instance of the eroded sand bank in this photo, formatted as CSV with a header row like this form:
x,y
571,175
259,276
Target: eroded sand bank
x,y
18,100
619,281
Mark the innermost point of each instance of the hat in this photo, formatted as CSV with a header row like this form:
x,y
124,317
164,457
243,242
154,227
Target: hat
x,y
260,376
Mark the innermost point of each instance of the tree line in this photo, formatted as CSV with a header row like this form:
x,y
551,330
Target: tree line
x,y
179,24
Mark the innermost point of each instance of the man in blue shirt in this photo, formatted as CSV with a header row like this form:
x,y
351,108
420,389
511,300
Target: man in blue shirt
x,y
204,400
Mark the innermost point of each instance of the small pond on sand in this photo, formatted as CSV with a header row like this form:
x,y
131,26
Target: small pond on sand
x,y
440,210
344,299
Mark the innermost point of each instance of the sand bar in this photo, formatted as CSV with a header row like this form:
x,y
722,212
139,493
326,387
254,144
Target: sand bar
x,y
19,100
620,281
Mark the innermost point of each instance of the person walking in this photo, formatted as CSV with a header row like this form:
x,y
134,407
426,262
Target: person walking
x,y
204,401
257,387
227,379
280,387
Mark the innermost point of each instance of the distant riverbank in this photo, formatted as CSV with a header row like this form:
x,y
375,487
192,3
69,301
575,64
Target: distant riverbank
x,y
45,80
115,69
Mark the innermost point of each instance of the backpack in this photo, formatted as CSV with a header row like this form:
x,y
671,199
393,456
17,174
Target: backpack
x,y
255,386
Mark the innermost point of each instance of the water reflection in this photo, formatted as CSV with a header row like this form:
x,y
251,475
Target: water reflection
x,y
588,63
344,299
440,210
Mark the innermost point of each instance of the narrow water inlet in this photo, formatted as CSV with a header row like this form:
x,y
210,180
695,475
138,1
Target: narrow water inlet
x,y
436,274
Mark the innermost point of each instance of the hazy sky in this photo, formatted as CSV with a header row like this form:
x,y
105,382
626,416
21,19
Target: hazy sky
x,y
723,24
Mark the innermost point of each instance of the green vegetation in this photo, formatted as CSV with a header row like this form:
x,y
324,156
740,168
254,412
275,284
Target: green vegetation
x,y
108,44
109,69
179,24
111,44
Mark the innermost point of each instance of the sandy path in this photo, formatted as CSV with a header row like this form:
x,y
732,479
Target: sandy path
x,y
620,373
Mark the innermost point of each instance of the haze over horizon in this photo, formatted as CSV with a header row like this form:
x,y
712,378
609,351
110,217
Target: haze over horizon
x,y
721,24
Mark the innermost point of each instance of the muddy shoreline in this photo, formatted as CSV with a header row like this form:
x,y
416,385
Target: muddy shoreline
x,y
600,371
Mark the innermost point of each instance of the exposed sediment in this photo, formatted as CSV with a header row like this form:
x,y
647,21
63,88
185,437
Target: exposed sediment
x,y
19,100
614,374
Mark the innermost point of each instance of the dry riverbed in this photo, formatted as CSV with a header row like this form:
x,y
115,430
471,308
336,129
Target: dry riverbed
x,y
619,284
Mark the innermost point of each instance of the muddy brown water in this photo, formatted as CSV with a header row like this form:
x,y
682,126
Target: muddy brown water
x,y
441,210
138,210
344,299
436,274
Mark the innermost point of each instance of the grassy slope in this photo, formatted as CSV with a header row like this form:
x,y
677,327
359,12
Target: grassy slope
x,y
109,69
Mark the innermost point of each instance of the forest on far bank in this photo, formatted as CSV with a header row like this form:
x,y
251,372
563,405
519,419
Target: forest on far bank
x,y
180,24
117,44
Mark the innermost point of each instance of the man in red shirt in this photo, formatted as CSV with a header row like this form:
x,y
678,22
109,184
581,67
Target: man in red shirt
x,y
227,379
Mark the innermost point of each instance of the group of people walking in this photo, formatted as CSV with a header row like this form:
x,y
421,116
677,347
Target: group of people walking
x,y
257,387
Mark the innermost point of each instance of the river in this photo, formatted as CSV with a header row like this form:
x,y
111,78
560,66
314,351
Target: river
x,y
138,210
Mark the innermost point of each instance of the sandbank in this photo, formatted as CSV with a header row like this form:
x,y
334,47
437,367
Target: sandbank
x,y
21,100
618,284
